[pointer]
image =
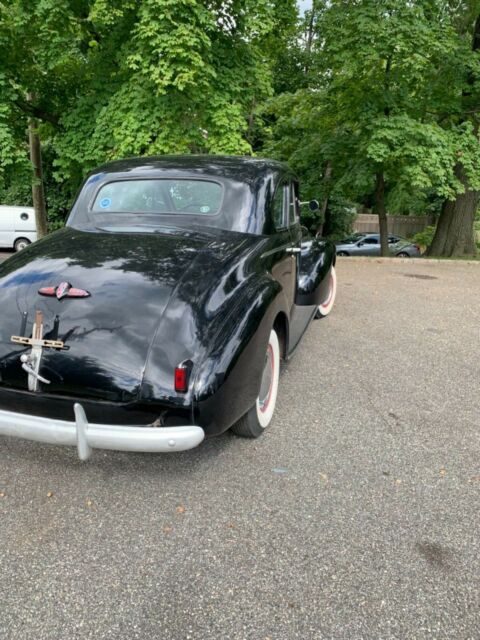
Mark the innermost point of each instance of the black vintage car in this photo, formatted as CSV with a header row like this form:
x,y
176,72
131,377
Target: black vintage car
x,y
160,314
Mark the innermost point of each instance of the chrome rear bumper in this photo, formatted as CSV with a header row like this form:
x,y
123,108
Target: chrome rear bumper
x,y
87,436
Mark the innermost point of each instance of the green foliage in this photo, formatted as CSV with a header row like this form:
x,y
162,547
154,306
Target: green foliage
x,y
349,89
15,187
387,87
11,152
424,238
184,80
339,218
112,79
415,202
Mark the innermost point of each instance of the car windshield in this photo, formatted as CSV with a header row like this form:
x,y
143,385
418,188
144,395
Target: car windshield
x,y
159,196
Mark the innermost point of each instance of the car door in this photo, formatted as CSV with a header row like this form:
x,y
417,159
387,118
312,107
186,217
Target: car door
x,y
369,246
392,243
300,315
284,246
24,221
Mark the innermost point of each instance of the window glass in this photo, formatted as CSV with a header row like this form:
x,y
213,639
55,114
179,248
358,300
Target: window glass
x,y
292,206
278,207
370,241
356,237
196,197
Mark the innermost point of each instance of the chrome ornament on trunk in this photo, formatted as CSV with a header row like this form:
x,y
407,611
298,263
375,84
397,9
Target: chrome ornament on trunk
x,y
31,361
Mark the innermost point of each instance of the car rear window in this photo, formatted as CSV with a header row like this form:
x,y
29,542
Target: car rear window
x,y
168,196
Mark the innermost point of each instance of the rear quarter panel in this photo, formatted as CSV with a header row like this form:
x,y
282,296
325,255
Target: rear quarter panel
x,y
220,321
227,382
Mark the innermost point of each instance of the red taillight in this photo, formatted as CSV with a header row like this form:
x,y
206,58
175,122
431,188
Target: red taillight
x,y
181,379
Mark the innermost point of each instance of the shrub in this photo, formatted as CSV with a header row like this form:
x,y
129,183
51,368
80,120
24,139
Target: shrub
x,y
424,238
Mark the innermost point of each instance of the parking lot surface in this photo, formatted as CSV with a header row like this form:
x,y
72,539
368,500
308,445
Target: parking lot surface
x,y
355,516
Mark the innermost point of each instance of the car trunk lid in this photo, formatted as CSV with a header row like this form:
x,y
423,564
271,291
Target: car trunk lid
x,y
108,334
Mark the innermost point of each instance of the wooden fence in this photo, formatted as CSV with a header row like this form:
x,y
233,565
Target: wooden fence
x,y
405,226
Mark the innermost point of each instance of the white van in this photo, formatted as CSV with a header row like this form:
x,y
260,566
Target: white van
x,y
17,227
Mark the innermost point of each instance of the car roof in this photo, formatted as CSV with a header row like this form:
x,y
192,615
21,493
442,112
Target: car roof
x,y
243,168
253,180
375,235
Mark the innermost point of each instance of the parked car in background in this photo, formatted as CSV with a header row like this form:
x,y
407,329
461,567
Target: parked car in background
x,y
160,314
17,227
368,244
351,239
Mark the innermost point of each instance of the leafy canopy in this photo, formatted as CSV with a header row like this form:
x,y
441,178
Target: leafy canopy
x,y
116,78
386,91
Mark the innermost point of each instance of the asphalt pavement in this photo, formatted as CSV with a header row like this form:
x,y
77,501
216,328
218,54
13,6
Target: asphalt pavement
x,y
356,515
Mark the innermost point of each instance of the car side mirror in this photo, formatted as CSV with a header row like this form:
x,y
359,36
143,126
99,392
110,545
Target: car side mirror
x,y
312,205
360,244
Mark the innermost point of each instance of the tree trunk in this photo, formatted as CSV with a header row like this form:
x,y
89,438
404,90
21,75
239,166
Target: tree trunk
x,y
455,234
323,207
38,194
380,210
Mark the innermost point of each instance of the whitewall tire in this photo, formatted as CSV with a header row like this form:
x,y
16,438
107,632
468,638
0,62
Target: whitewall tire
x,y
325,308
258,418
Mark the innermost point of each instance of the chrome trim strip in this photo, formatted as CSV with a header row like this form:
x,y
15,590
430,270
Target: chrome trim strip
x,y
87,436
270,252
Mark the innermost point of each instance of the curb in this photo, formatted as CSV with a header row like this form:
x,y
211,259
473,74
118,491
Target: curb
x,y
424,261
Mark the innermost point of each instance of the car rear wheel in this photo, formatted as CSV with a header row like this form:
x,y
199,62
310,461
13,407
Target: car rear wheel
x,y
402,254
21,243
325,308
342,253
258,418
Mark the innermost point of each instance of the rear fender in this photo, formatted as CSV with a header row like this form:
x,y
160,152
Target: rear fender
x,y
227,382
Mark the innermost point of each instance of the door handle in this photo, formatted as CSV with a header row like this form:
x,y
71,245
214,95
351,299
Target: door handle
x,y
293,250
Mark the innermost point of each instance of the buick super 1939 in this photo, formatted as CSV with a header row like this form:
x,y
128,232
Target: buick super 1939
x,y
162,311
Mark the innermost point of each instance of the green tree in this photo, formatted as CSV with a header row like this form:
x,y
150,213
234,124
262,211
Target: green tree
x,y
40,62
109,79
382,76
455,233
176,76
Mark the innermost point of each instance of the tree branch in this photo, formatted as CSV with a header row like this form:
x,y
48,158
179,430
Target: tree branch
x,y
36,112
